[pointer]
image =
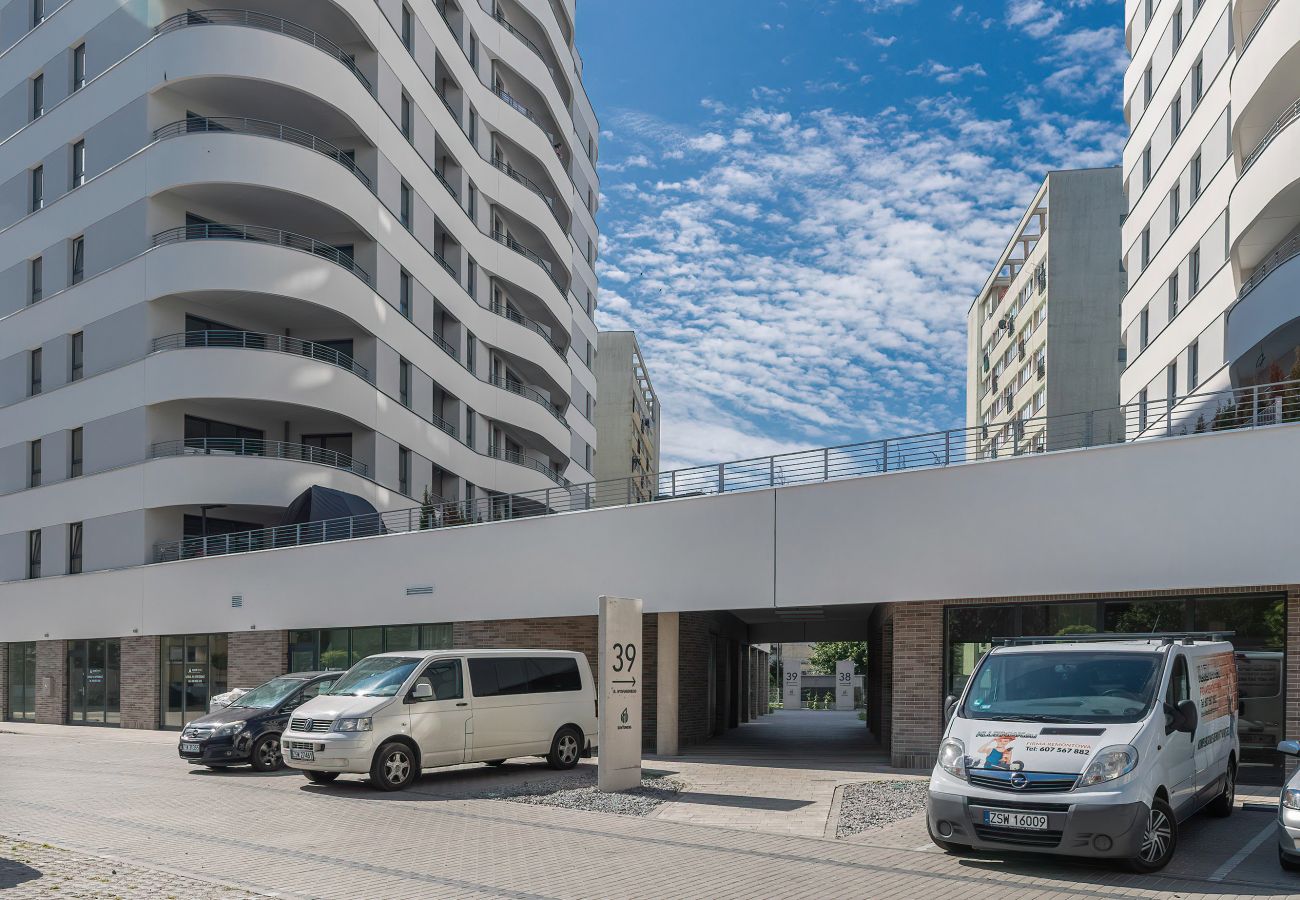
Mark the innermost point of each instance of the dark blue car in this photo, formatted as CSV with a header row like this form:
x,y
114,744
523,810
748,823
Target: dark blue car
x,y
248,731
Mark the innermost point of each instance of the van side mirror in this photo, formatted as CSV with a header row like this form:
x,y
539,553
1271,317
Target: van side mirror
x,y
1187,717
422,691
949,707
1290,748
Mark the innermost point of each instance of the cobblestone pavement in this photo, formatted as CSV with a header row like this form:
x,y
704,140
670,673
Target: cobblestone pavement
x,y
126,795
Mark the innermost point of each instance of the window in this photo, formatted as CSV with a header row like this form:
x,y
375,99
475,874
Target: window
x,y
1175,206
1198,81
1196,175
1176,27
22,681
38,12
77,353
79,67
1146,246
78,164
1193,366
34,463
404,471
38,97
1144,327
34,372
473,127
471,278
405,213
404,293
471,351
1146,165
1142,409
407,129
34,553
1173,295
78,260
1194,272
1176,117
508,676
1148,10
473,52
591,252
444,677
404,382
337,648
408,29
38,188
37,278
1180,688
1146,86
470,419
471,202
75,453
74,548
1171,382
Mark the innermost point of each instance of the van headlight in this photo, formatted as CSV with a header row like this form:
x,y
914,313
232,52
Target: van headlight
x,y
353,724
952,757
1291,798
1110,763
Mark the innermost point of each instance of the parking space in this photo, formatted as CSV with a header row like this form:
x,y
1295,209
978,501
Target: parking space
x,y
125,796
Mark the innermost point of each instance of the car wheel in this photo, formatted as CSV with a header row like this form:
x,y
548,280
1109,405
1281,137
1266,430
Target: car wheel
x,y
394,767
1222,805
266,754
495,762
1287,863
1159,839
566,749
316,777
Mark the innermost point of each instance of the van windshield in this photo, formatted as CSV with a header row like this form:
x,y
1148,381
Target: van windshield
x,y
375,676
1071,686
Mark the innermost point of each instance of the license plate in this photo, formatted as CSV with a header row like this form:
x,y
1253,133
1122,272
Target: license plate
x,y
189,748
308,755
1006,819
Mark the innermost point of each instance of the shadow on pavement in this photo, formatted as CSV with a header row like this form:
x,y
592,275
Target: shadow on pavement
x,y
739,801
13,873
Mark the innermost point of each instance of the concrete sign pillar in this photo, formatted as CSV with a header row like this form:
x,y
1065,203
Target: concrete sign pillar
x,y
844,684
621,669
792,690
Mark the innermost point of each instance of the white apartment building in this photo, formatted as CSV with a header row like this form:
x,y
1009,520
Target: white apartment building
x,y
1041,332
249,248
1212,179
627,421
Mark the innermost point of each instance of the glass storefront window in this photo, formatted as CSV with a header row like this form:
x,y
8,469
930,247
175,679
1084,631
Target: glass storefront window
x,y
94,681
1141,616
22,681
1059,619
194,670
335,649
366,642
401,637
971,630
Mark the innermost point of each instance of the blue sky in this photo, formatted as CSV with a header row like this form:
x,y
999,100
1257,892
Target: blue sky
x,y
800,199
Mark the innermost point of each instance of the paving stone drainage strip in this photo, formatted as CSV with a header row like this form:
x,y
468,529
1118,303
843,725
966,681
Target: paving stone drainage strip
x,y
577,790
875,804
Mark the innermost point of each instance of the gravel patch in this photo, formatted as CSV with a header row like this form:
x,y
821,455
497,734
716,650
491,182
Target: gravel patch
x,y
577,790
875,804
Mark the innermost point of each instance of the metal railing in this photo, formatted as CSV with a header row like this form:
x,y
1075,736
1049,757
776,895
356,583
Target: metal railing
x,y
446,265
523,390
264,22
507,313
1285,252
1289,115
259,448
1210,411
261,128
507,241
447,184
252,340
455,114
262,235
525,112
524,39
523,459
523,179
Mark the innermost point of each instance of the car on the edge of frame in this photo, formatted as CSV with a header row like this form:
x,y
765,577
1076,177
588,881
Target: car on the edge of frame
x,y
248,730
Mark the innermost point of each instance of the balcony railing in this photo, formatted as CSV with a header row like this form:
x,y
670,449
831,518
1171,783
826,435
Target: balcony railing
x,y
507,241
526,112
261,128
263,449
447,184
522,459
1209,411
523,179
455,113
262,235
252,340
1287,251
1289,115
523,39
523,390
264,22
507,313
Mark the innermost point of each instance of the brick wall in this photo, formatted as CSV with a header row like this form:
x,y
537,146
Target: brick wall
x,y
4,681
256,657
52,682
141,690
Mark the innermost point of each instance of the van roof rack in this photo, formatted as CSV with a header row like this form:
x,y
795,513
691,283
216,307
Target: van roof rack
x,y
1165,637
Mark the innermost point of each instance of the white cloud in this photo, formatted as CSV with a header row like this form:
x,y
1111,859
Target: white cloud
x,y
1035,17
878,39
948,74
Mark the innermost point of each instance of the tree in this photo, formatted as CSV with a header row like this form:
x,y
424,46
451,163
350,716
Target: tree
x,y
826,654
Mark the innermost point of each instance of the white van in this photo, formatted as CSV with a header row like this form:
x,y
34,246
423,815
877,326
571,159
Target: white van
x,y
1094,748
394,714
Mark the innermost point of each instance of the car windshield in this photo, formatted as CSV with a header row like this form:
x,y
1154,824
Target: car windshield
x,y
270,694
375,676
1063,686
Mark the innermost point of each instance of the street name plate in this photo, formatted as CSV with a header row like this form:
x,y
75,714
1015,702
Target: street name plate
x,y
621,674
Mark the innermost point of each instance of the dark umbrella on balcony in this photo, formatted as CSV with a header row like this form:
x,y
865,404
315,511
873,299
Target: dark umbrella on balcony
x,y
326,514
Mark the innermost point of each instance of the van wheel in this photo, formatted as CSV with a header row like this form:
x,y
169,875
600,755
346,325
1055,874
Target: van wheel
x,y
394,767
566,748
495,762
266,754
1159,839
1222,805
320,777
1287,863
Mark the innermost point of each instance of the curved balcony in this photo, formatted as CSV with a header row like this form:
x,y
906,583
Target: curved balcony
x,y
262,128
521,459
511,244
1289,115
1266,74
513,173
1264,209
526,113
522,390
252,340
506,312
264,22
1263,327
261,235
261,449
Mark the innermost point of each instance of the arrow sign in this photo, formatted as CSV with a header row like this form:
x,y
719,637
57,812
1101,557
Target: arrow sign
x,y
631,681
